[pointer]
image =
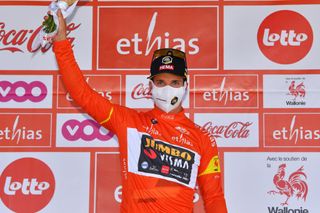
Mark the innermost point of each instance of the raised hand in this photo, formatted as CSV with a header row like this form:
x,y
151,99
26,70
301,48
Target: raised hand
x,y
62,30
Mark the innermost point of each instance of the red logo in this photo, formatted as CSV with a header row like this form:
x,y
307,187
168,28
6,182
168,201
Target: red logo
x,y
27,185
142,30
292,130
12,40
235,129
297,90
285,37
150,153
165,170
141,91
22,130
226,91
294,185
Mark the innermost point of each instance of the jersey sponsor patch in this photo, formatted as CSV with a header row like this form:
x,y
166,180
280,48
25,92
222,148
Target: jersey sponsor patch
x,y
152,157
213,166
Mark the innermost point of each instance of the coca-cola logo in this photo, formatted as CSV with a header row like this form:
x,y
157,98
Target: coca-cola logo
x,y
12,40
27,185
21,91
235,129
285,37
141,91
87,130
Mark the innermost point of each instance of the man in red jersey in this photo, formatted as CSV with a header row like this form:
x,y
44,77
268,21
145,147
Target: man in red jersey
x,y
163,153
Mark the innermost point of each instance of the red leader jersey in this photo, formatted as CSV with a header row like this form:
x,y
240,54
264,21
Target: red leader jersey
x,y
162,155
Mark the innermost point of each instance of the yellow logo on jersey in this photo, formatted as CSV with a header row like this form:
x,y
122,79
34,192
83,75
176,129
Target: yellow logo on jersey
x,y
213,166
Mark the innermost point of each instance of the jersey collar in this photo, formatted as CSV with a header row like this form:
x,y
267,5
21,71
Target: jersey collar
x,y
158,113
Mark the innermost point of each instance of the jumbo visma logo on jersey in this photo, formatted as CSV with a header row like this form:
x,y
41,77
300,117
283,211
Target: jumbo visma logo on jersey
x,y
161,158
152,157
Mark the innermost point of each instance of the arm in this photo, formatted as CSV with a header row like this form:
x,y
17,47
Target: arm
x,y
209,179
101,109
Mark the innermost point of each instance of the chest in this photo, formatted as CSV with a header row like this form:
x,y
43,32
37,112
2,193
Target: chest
x,y
175,133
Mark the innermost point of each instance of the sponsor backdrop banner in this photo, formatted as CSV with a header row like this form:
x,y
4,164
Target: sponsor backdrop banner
x,y
254,73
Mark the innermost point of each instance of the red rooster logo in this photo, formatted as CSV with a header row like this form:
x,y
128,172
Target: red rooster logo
x,y
295,185
298,90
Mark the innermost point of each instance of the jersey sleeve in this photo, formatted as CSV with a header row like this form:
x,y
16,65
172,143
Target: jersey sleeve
x,y
102,110
209,177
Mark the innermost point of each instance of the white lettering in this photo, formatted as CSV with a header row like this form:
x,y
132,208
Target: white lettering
x,y
123,43
118,194
27,186
22,133
127,46
285,38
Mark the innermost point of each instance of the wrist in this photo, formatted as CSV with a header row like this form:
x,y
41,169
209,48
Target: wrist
x,y
60,38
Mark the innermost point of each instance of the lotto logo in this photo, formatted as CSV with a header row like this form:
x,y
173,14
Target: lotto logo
x,y
21,91
26,185
285,37
87,130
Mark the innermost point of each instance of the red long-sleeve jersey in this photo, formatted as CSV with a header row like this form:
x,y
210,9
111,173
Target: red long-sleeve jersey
x,y
162,155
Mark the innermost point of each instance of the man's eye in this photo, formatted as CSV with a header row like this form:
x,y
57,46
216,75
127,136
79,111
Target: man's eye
x,y
159,83
176,84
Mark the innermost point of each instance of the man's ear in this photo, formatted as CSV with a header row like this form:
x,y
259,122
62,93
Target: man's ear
x,y
187,84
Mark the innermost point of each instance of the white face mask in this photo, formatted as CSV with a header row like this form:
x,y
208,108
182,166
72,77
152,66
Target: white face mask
x,y
168,98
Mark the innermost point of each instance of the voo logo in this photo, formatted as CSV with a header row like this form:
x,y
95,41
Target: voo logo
x,y
27,185
87,130
285,37
22,91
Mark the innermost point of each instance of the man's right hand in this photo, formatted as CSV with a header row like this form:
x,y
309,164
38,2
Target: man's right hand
x,y
62,30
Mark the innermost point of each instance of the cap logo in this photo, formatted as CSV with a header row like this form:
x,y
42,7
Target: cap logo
x,y
167,60
166,67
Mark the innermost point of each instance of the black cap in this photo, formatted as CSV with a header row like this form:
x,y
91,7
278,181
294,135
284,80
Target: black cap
x,y
168,60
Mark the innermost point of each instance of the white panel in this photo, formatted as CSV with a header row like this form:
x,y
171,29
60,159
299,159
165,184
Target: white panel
x,y
231,130
23,54
78,130
72,177
241,50
13,94
249,177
